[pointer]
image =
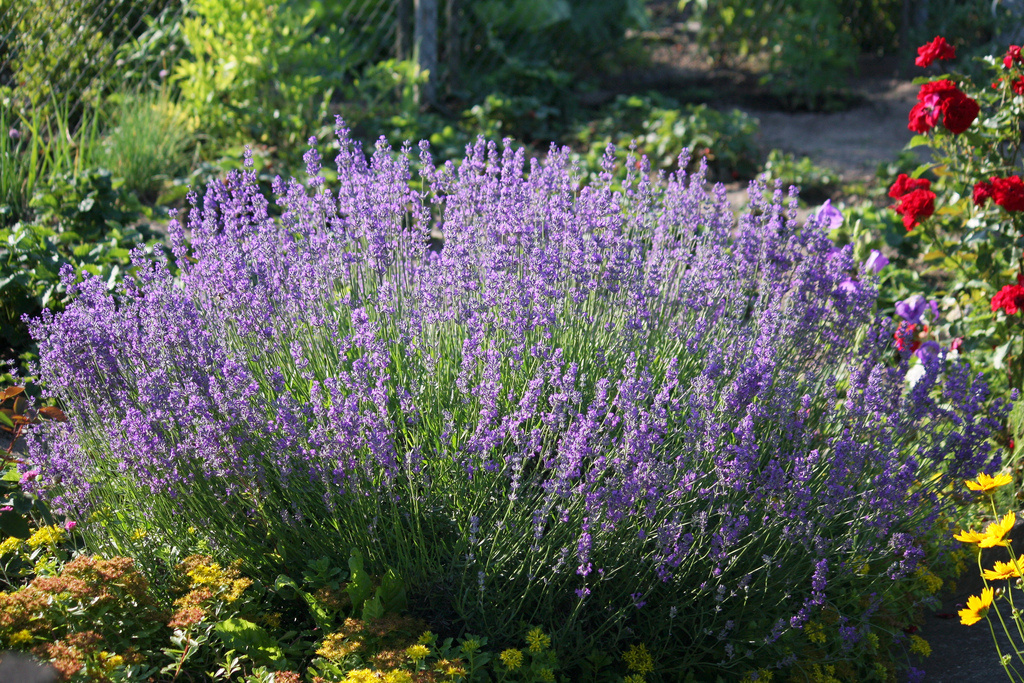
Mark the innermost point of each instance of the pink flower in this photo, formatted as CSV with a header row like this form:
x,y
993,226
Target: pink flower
x,y
69,525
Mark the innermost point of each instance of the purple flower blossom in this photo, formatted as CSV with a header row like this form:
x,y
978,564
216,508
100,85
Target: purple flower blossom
x,y
875,262
829,216
619,384
14,134
911,308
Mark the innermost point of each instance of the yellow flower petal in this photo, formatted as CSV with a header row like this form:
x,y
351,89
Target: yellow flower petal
x,y
987,484
1000,571
995,531
970,536
977,607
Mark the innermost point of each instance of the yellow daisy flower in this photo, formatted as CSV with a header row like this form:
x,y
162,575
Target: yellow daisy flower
x,y
1001,570
993,534
995,531
977,607
987,484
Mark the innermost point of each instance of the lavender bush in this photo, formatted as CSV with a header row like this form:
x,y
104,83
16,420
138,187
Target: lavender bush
x,y
618,414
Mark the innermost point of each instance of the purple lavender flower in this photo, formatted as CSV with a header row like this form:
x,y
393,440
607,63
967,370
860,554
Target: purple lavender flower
x,y
875,262
911,309
611,380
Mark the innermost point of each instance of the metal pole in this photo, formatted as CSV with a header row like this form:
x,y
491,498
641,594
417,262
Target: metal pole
x,y
404,30
426,46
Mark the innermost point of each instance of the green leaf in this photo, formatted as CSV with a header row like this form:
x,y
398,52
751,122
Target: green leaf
x,y
918,141
999,355
245,636
373,609
13,524
392,592
360,585
321,615
6,420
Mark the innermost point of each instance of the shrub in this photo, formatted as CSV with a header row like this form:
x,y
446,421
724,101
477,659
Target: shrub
x,y
616,413
959,211
254,71
65,50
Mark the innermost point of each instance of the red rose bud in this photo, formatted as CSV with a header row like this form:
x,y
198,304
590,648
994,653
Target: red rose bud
x,y
937,49
1018,86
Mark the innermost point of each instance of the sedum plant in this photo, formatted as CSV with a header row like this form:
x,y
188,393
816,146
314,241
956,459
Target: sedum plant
x,y
616,413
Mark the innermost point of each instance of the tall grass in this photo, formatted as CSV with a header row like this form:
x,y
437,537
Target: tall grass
x,y
148,141
35,145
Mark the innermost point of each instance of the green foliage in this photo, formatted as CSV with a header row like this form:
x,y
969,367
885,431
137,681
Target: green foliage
x,y
147,59
661,127
148,143
65,48
35,145
816,183
565,34
85,221
255,71
808,53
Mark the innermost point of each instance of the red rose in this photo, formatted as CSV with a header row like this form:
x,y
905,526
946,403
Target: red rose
x,y
922,118
1018,86
905,184
940,88
1010,298
1012,56
937,49
958,112
982,193
914,206
1008,193
942,97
